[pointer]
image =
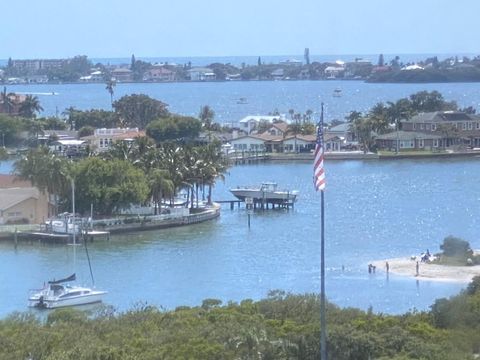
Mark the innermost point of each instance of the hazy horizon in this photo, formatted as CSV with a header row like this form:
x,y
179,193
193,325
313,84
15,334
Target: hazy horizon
x,y
147,28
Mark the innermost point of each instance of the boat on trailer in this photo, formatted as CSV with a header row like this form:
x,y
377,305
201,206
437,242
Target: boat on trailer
x,y
59,293
268,192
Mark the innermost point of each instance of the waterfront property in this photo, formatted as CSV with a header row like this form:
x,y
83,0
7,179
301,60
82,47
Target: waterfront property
x,y
408,140
454,128
22,203
102,139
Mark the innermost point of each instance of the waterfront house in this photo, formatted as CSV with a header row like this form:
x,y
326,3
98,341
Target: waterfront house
x,y
277,74
454,127
95,76
249,143
279,128
334,72
344,132
408,140
250,123
159,74
22,203
299,143
122,75
201,74
102,139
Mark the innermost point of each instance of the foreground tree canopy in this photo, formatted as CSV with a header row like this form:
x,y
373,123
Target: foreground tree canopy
x,y
282,326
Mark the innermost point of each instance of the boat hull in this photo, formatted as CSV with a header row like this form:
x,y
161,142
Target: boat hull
x,y
265,196
44,300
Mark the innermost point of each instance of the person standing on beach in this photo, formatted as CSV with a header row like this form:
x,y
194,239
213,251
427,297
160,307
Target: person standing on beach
x,y
387,266
417,268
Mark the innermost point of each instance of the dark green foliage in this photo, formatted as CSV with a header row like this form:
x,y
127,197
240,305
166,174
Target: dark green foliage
x,y
138,110
283,326
86,131
94,118
174,128
456,247
108,185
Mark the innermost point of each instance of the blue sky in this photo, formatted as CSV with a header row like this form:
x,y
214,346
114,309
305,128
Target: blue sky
x,y
158,28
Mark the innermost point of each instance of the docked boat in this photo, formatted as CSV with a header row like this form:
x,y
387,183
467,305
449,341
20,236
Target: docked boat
x,y
337,92
59,293
268,192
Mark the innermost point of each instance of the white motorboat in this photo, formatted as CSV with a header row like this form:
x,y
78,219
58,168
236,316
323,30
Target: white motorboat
x,y
268,192
60,294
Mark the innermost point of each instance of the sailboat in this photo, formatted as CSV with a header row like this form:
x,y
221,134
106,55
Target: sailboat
x,y
60,293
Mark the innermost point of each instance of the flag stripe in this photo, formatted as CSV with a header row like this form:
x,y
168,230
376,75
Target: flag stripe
x,y
318,170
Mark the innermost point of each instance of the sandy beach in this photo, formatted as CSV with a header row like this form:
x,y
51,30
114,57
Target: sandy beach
x,y
432,272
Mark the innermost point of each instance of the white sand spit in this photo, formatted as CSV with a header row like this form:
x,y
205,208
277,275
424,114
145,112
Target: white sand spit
x,y
426,271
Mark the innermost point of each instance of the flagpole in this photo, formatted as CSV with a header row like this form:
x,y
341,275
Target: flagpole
x,y
323,322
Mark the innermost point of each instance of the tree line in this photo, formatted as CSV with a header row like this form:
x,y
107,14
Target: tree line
x,y
281,326
383,118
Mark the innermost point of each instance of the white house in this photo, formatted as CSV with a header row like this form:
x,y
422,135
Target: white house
x,y
250,123
248,143
201,74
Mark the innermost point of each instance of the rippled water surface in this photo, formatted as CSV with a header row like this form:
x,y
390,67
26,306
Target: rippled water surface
x,y
374,210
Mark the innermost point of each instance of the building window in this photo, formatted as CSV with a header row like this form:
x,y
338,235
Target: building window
x,y
434,127
464,126
470,126
435,143
414,126
478,125
101,142
421,143
421,126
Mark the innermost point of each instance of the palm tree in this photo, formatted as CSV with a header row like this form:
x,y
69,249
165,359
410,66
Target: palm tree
x,y
30,106
70,114
160,186
110,88
206,116
35,129
8,100
48,172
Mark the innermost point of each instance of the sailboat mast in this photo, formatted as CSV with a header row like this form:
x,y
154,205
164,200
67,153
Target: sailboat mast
x,y
73,221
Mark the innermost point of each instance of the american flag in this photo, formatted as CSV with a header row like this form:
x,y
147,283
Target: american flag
x,y
318,170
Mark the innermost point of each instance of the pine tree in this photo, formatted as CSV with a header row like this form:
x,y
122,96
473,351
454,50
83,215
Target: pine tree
x,y
132,64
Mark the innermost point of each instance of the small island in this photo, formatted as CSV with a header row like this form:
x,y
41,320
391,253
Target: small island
x,y
457,263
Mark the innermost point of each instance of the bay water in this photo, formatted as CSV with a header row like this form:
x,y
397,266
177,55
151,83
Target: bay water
x,y
262,97
374,210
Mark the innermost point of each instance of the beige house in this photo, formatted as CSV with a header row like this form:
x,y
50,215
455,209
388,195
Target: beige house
x,y
102,139
21,203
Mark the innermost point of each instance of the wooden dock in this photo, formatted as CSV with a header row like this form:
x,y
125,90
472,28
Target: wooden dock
x,y
259,204
58,238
